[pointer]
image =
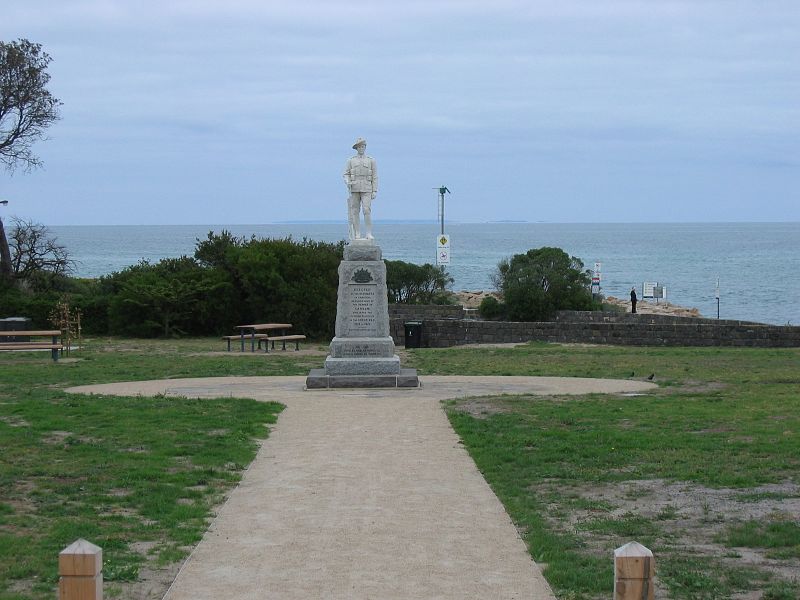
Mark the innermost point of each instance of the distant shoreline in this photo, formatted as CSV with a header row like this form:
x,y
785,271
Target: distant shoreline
x,y
473,299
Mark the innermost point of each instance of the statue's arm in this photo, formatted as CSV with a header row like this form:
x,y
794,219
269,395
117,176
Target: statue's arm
x,y
374,177
346,174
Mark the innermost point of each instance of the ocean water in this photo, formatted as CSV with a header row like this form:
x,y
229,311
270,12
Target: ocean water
x,y
758,264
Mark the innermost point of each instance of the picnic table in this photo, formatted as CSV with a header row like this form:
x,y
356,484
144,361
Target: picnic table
x,y
253,330
7,341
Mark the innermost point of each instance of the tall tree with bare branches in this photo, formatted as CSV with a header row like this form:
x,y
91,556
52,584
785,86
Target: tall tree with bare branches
x,y
27,109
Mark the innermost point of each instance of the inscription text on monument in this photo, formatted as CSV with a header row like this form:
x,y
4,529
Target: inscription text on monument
x,y
361,351
363,298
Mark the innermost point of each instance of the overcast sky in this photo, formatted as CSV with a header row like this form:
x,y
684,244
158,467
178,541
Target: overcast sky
x,y
194,111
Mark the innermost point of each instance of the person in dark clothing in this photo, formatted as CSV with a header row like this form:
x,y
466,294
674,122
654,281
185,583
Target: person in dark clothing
x,y
633,300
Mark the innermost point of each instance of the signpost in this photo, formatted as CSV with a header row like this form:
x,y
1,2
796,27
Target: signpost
x,y
443,249
654,291
596,280
717,295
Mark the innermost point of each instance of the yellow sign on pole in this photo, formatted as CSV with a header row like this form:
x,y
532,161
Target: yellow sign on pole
x,y
443,249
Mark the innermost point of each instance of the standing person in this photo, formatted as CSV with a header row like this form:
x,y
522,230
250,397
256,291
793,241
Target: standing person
x,y
633,299
361,178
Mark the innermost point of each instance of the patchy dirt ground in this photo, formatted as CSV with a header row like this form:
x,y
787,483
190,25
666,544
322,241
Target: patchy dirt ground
x,y
151,585
688,519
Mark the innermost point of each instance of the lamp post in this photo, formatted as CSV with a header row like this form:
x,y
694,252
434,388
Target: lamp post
x,y
442,191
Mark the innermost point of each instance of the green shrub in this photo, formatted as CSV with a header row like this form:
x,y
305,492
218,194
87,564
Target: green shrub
x,y
542,281
173,297
278,280
408,283
491,308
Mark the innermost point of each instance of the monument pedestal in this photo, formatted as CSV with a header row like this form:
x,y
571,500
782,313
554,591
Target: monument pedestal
x,y
362,352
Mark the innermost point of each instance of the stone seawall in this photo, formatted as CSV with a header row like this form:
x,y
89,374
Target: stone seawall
x,y
421,312
594,328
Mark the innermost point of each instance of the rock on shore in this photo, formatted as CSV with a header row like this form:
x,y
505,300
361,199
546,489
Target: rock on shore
x,y
653,308
472,299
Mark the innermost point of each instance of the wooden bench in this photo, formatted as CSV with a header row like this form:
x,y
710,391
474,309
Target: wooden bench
x,y
238,337
251,332
54,345
280,338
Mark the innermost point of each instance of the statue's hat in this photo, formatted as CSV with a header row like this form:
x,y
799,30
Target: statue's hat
x,y
359,141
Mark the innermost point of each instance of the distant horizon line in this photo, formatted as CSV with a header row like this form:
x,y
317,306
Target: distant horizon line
x,y
423,222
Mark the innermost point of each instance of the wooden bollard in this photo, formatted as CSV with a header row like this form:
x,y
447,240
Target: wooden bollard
x,y
80,569
634,569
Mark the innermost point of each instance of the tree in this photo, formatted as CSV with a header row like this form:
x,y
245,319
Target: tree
x,y
34,250
279,280
408,283
176,296
542,281
5,255
27,107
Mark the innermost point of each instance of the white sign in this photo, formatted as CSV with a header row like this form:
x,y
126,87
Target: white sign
x,y
443,249
654,290
597,266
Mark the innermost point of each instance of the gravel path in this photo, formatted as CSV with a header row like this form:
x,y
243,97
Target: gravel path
x,y
362,494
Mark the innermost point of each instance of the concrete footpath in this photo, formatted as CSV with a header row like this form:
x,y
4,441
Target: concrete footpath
x,y
362,494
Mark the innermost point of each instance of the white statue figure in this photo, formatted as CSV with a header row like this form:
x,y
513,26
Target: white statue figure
x,y
361,178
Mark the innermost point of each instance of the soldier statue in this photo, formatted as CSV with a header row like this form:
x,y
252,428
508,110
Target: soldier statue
x,y
361,178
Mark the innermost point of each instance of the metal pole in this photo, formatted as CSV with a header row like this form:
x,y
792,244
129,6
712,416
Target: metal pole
x,y
441,195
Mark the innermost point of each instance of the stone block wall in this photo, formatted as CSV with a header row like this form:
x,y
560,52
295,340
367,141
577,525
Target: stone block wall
x,y
594,328
421,312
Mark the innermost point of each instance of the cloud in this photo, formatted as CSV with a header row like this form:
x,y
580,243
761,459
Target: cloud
x,y
567,96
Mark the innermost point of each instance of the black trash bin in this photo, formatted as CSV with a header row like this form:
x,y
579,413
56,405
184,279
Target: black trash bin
x,y
15,324
414,334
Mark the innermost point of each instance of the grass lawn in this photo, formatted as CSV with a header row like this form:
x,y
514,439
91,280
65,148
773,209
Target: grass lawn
x,y
705,471
140,477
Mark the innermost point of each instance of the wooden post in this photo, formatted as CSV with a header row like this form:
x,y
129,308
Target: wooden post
x,y
80,567
634,569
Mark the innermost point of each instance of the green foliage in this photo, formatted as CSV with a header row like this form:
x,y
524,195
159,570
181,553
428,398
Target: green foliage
x,y
409,283
174,296
780,536
229,282
37,300
277,280
491,308
542,281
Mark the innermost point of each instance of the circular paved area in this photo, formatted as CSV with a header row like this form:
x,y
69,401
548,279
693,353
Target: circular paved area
x,y
362,494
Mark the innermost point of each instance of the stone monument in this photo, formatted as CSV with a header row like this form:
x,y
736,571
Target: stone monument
x,y
362,352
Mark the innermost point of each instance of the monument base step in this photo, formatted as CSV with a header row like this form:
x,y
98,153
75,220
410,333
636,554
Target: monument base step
x,y
317,379
362,366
